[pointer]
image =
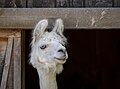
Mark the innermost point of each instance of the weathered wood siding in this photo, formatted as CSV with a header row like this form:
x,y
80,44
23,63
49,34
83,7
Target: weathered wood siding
x,y
27,18
3,44
59,3
10,59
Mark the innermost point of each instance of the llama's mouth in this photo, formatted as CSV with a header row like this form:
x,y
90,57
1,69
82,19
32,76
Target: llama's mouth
x,y
60,60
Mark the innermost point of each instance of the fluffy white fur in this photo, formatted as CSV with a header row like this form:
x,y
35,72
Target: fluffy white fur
x,y
48,52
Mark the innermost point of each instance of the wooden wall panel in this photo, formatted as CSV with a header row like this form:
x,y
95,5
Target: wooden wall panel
x,y
24,3
14,3
98,3
62,3
103,3
59,3
10,3
70,3
10,60
10,78
1,3
116,3
17,63
90,3
43,3
7,63
3,44
77,3
19,3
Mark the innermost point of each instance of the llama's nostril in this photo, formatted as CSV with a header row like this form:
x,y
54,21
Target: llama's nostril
x,y
60,50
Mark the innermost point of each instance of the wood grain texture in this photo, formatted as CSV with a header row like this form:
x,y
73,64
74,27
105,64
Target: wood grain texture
x,y
2,3
10,78
19,3
103,18
104,3
98,3
62,3
116,3
10,4
43,3
5,33
3,44
59,3
17,63
90,3
77,3
7,63
23,58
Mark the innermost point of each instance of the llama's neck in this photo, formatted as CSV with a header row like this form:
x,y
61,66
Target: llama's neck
x,y
47,79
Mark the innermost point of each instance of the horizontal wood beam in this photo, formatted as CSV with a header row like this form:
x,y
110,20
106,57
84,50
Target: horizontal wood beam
x,y
74,18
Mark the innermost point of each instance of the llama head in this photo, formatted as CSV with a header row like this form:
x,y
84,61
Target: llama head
x,y
48,47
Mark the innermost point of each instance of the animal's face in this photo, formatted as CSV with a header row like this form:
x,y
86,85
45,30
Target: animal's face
x,y
48,47
51,48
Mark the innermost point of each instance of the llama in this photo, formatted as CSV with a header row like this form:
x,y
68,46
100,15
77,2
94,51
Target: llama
x,y
48,52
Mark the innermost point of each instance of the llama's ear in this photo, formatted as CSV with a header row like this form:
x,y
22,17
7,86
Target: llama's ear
x,y
59,27
40,28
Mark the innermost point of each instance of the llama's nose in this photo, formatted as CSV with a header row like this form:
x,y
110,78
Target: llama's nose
x,y
62,50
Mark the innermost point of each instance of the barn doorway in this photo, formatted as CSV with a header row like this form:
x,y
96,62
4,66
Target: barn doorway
x,y
94,57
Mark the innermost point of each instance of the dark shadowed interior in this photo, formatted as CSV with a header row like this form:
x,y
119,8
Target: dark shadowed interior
x,y
93,63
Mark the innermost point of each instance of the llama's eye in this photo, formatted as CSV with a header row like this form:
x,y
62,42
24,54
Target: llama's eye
x,y
43,46
63,44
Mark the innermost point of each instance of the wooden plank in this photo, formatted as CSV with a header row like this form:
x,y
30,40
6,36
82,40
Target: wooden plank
x,y
23,58
90,3
3,45
7,63
104,3
29,3
90,18
5,33
77,3
24,3
10,3
2,3
98,3
15,3
62,3
43,3
17,63
18,3
10,81
116,3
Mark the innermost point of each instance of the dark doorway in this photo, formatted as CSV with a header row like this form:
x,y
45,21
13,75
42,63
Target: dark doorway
x,y
94,61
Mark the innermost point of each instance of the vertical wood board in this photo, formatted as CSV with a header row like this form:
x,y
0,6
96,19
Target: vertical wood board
x,y
42,3
7,63
116,3
62,3
77,3
3,44
17,63
10,79
23,58
98,3
1,3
